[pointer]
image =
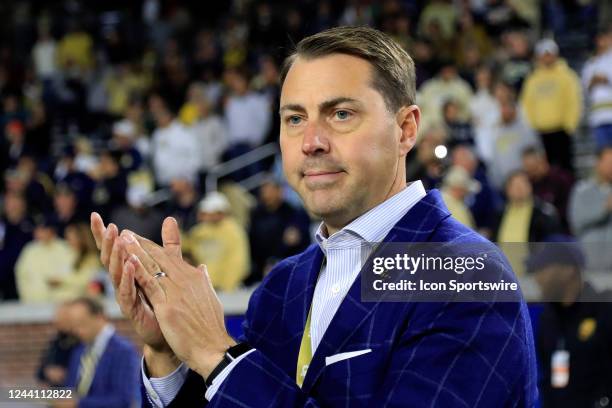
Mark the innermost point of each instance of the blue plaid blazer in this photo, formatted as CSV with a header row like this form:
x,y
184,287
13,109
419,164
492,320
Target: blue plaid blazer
x,y
423,354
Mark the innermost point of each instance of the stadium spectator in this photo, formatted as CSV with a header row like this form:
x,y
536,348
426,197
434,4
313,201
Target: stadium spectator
x,y
137,215
525,218
43,265
183,205
247,114
124,137
44,53
575,328
484,109
590,212
171,140
220,243
111,183
95,363
208,128
552,102
459,131
597,86
550,183
75,49
77,181
54,362
516,64
67,209
36,186
16,229
86,265
485,204
425,163
14,145
509,137
456,186
277,230
447,84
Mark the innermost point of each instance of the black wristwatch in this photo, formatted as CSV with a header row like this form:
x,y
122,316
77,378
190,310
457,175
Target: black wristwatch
x,y
230,355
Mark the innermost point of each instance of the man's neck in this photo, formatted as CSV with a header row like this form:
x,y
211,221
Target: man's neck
x,y
330,227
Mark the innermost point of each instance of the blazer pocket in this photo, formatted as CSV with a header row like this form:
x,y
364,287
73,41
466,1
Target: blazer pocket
x,y
329,360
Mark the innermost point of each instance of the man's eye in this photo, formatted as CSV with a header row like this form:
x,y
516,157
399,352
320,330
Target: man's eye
x,y
343,115
294,120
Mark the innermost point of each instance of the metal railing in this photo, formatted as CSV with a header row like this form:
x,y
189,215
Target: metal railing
x,y
238,163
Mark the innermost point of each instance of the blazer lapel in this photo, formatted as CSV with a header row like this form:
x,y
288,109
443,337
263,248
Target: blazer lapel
x,y
416,226
298,296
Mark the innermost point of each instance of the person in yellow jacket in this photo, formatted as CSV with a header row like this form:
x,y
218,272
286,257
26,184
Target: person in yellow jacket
x,y
219,242
551,100
43,264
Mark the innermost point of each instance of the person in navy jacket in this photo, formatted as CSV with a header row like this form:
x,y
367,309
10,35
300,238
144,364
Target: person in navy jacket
x,y
104,369
348,119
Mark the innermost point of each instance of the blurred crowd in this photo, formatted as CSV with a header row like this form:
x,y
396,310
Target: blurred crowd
x,y
130,108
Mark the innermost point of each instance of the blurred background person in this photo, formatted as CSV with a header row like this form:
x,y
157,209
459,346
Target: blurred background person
x,y
456,186
137,215
43,264
220,243
590,212
16,230
56,358
552,101
525,218
550,183
110,183
175,150
486,203
575,328
277,230
104,369
597,87
509,137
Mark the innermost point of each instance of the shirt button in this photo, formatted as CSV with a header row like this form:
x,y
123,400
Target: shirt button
x,y
335,289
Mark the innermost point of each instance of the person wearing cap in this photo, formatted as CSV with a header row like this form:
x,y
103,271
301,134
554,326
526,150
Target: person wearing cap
x,y
574,328
552,102
43,264
456,186
124,136
219,242
597,86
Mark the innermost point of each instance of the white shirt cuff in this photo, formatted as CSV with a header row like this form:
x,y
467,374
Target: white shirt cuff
x,y
212,390
162,391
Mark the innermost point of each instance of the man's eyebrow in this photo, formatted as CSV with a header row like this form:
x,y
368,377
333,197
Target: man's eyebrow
x,y
323,106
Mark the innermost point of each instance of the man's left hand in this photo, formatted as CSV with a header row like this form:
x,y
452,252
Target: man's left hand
x,y
187,308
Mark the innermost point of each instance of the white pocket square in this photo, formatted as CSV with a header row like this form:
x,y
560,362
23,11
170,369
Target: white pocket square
x,y
343,356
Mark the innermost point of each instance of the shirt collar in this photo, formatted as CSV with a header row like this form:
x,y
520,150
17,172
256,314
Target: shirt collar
x,y
376,223
102,339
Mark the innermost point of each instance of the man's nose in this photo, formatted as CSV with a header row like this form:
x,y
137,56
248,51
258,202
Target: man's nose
x,y
315,140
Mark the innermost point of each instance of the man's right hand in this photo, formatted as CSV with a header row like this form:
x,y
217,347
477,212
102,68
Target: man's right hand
x,y
160,357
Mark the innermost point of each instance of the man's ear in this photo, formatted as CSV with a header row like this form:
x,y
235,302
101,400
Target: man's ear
x,y
408,119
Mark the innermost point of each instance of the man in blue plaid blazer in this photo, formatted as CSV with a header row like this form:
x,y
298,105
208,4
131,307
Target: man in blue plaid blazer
x,y
348,120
